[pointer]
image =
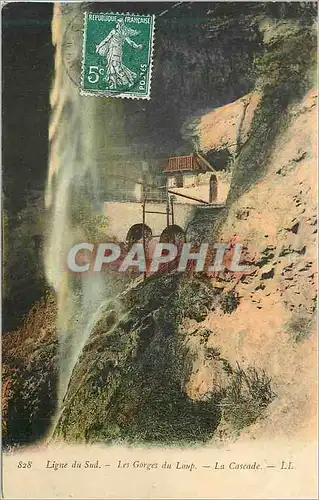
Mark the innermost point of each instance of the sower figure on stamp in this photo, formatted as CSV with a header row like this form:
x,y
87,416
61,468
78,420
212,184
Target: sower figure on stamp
x,y
112,48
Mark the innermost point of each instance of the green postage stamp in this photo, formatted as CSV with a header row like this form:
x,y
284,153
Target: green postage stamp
x,y
117,55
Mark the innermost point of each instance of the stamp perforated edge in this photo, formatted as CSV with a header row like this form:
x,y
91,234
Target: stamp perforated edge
x,y
103,93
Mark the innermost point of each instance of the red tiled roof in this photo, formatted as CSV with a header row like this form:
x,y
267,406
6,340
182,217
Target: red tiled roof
x,y
186,163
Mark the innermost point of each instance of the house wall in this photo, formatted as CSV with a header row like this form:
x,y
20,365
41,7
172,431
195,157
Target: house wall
x,y
201,188
190,180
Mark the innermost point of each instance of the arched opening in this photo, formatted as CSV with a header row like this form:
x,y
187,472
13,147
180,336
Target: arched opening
x,y
179,181
212,188
135,234
173,234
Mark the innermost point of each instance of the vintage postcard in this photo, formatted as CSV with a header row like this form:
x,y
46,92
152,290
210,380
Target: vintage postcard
x,y
159,250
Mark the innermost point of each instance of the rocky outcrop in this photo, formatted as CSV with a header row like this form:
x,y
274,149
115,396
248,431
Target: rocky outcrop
x,y
273,325
29,376
228,127
148,374
133,370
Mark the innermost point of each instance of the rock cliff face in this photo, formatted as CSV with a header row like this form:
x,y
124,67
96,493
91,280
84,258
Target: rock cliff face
x,y
29,376
273,325
132,372
228,127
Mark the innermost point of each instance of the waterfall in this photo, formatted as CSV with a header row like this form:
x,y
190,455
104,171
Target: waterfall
x,y
85,131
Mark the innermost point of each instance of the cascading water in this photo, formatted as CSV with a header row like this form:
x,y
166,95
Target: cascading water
x,y
84,133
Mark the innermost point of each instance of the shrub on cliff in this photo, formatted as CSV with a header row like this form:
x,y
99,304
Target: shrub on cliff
x,y
283,72
247,396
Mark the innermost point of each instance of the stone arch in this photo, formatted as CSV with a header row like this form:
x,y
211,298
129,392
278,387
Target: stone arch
x,y
135,233
213,188
173,234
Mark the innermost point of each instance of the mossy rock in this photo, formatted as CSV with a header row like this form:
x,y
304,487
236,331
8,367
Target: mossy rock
x,y
128,383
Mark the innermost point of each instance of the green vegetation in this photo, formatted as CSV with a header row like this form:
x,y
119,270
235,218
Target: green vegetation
x,y
138,365
195,298
299,328
129,384
247,396
88,219
229,302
